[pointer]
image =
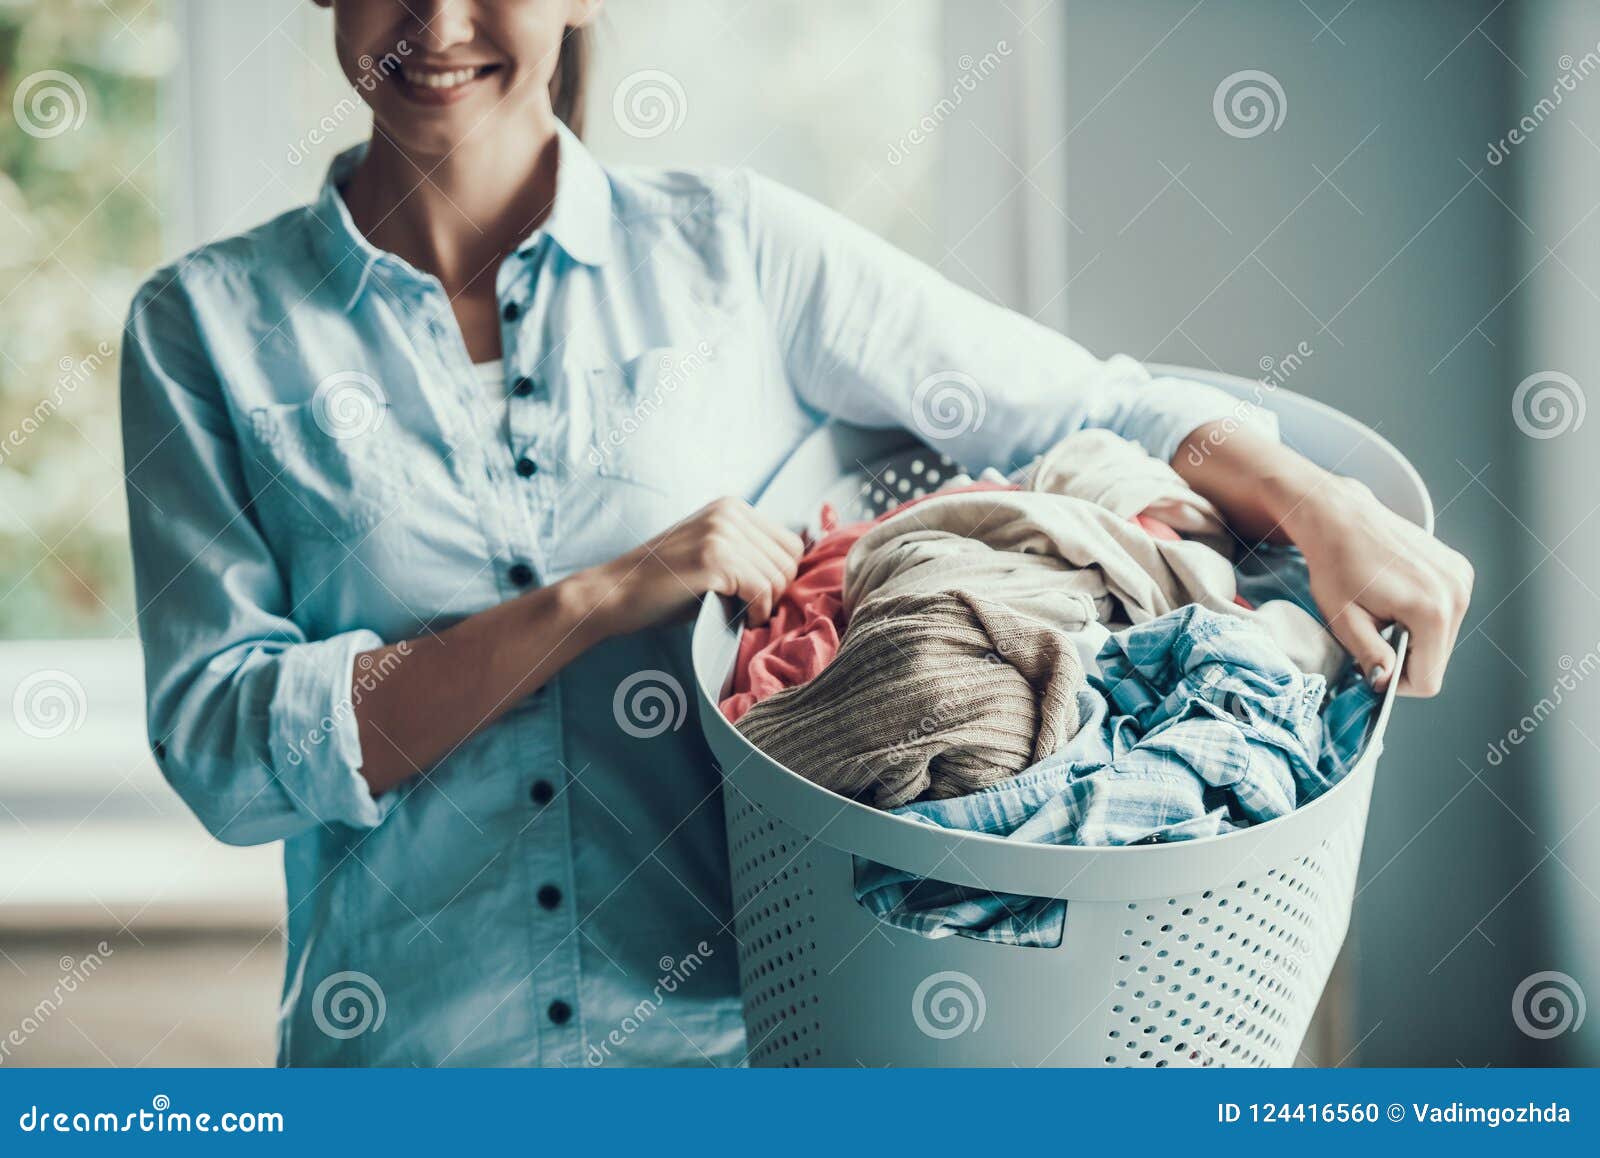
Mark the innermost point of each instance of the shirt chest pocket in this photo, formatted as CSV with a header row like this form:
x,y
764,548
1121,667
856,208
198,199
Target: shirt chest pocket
x,y
678,420
326,473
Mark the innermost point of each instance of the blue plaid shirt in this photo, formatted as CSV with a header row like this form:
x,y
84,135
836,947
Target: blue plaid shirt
x,y
1196,724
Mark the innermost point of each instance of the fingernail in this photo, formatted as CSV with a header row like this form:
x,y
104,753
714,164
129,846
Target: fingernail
x,y
1376,674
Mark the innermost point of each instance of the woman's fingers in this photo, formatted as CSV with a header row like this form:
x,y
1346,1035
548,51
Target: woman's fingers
x,y
1433,625
1358,632
769,549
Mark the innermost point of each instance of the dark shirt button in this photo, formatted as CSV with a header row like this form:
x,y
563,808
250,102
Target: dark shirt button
x,y
521,574
522,387
560,1012
543,792
511,312
526,467
549,896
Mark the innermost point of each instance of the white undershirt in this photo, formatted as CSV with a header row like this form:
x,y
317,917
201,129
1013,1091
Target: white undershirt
x,y
491,375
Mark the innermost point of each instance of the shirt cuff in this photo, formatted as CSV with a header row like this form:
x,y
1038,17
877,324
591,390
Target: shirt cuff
x,y
316,749
1176,407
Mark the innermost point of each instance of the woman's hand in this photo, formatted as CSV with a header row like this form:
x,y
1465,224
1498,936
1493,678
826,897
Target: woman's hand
x,y
727,546
1369,567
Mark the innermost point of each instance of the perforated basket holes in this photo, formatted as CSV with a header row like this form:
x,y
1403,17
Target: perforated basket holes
x,y
1231,975
775,925
911,474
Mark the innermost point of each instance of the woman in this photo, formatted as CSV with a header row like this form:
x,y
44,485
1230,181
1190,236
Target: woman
x,y
425,477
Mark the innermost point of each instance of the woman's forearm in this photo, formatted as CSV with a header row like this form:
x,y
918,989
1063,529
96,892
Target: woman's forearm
x,y
1368,566
1261,486
437,690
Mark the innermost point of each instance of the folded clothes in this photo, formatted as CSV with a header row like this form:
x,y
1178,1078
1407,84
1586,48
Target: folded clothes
x,y
932,695
1196,724
802,634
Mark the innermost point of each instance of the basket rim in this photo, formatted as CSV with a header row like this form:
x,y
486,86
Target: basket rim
x,y
986,861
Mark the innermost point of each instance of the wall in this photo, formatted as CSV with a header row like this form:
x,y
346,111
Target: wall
x,y
1556,175
1367,225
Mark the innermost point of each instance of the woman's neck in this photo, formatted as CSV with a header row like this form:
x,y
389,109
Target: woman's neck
x,y
458,215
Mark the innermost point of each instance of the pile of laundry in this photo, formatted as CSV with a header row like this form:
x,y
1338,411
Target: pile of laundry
x,y
1070,656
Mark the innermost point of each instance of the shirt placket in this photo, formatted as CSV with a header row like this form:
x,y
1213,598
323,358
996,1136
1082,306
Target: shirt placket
x,y
528,474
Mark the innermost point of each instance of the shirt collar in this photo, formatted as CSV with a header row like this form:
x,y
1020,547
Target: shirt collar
x,y
579,221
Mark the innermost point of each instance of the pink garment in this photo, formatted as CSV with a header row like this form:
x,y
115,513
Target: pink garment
x,y
802,636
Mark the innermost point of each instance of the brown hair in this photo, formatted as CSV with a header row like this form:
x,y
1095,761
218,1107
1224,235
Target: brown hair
x,y
567,82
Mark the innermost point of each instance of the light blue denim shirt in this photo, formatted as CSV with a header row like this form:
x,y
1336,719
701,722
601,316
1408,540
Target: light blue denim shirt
x,y
314,470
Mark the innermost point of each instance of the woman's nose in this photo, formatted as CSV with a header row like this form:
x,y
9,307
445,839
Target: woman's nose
x,y
442,24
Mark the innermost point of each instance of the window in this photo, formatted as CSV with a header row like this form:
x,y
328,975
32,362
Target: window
x,y
80,193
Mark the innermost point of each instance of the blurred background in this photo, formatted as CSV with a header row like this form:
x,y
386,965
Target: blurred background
x,y
1393,207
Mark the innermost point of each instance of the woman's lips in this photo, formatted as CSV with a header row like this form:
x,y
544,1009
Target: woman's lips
x,y
442,86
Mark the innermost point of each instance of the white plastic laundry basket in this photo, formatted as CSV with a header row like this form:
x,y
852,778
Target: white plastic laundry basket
x,y
1209,952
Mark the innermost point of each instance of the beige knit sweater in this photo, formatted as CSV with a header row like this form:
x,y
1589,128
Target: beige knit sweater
x,y
932,694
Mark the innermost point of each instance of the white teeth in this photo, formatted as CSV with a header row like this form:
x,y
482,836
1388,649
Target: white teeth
x,y
450,79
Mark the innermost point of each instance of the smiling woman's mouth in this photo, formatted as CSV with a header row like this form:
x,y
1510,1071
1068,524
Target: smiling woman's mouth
x,y
434,85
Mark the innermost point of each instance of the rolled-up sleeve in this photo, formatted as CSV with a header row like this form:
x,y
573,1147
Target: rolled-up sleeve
x,y
250,722
874,337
